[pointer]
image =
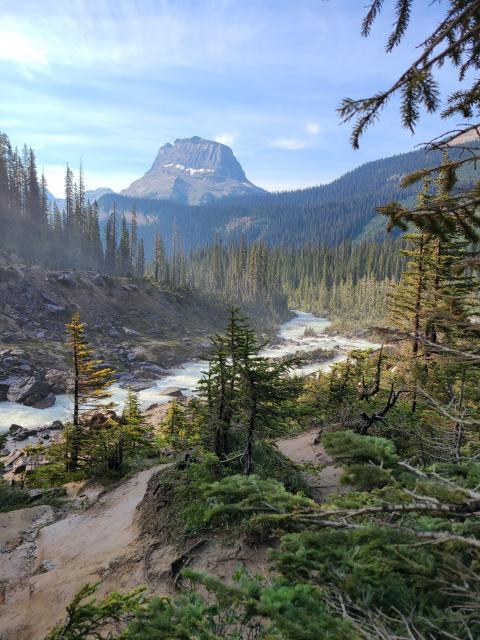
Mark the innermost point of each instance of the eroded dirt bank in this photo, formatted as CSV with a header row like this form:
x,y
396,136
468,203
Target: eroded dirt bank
x,y
42,573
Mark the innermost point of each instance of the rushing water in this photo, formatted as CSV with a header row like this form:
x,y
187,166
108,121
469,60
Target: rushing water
x,y
292,339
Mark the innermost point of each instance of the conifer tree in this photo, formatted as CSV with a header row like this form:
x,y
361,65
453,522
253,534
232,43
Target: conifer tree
x,y
91,381
69,204
159,259
124,256
111,243
93,240
133,240
140,261
175,426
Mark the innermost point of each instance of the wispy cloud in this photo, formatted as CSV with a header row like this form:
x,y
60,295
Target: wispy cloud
x,y
291,144
312,128
226,138
121,35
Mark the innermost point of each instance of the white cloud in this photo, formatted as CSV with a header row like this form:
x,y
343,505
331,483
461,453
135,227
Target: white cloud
x,y
292,144
20,48
226,138
312,127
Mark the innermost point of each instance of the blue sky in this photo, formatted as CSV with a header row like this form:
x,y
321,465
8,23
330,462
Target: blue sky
x,y
109,81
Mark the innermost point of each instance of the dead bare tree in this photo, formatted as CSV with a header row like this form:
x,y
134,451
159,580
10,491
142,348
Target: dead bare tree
x,y
368,392
379,416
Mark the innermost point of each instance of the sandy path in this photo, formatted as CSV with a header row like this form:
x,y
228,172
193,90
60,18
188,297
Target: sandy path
x,y
302,449
68,554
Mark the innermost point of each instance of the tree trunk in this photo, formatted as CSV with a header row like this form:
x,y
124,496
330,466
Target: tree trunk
x,y
72,464
417,315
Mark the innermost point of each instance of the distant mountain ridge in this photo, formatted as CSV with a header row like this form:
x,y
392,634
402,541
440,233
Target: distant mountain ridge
x,y
91,195
341,210
193,171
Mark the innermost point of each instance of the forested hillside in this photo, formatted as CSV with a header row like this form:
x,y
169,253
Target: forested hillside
x,y
329,214
347,282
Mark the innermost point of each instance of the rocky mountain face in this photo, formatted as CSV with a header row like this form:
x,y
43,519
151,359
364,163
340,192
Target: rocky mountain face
x,y
193,171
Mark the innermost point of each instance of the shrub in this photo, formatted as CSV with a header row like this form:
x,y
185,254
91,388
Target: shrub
x,y
12,497
349,448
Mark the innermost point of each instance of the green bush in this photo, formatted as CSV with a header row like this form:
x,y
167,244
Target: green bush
x,y
52,475
349,448
12,497
270,463
366,477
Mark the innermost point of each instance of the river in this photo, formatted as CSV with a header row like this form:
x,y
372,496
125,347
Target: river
x,y
292,338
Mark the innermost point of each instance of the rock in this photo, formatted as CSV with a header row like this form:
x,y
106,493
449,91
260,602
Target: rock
x,y
131,332
11,459
20,468
55,309
174,392
100,418
44,567
153,368
46,402
28,390
136,385
18,432
4,387
99,280
68,280
50,298
56,425
59,381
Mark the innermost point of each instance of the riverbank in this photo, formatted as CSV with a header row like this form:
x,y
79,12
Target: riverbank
x,y
304,333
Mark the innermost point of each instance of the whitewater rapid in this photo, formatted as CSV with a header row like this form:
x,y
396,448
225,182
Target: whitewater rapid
x,y
292,339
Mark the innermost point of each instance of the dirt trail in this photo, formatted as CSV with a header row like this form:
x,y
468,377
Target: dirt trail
x,y
303,449
64,556
43,565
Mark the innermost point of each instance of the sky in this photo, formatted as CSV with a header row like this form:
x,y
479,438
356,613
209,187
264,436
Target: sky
x,y
107,82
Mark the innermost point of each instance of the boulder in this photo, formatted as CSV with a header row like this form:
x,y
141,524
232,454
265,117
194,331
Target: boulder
x,y
99,280
9,274
174,392
28,390
59,381
136,385
4,387
17,432
44,567
131,332
68,280
11,459
55,309
100,418
46,402
150,371
51,299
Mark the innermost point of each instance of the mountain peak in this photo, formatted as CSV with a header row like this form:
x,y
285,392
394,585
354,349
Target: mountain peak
x,y
194,171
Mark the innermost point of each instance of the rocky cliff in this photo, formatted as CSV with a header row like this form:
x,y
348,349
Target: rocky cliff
x,y
193,171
